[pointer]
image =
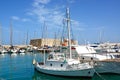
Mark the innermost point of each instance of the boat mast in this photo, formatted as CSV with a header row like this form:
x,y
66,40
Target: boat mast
x,y
44,34
68,26
100,37
27,38
0,35
11,34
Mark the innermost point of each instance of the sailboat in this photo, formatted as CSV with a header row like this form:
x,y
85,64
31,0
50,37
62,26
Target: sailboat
x,y
12,50
60,64
2,49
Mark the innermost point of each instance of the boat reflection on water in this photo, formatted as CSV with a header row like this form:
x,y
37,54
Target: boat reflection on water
x,y
40,76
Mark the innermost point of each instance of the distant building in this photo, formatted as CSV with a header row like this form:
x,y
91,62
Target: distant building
x,y
49,42
44,42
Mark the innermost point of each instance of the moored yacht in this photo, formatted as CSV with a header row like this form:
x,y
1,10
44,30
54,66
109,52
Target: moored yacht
x,y
62,64
86,52
58,64
103,62
3,50
107,59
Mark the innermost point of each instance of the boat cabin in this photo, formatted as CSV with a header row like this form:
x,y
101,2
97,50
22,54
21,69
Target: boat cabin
x,y
56,60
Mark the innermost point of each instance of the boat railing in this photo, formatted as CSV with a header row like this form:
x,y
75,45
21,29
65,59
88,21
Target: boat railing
x,y
41,63
72,67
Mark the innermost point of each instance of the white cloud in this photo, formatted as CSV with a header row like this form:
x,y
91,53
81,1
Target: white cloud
x,y
15,18
25,19
53,16
77,25
20,19
37,2
70,1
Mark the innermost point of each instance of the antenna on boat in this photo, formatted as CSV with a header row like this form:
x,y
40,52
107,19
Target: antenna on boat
x,y
68,26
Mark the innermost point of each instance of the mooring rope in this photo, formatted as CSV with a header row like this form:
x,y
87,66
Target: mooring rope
x,y
99,75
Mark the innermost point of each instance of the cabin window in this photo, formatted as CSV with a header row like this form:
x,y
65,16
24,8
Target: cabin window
x,y
50,64
50,57
91,58
61,65
89,72
83,58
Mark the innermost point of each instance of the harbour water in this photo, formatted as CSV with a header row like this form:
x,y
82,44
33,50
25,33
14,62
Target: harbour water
x,y
20,67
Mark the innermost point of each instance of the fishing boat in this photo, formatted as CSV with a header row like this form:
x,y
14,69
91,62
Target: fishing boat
x,y
60,64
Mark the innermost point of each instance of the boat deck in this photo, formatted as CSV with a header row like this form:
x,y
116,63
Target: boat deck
x,y
111,60
107,60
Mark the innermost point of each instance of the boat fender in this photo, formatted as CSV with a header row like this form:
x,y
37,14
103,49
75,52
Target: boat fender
x,y
34,61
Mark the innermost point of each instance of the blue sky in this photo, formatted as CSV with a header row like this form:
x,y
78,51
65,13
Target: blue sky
x,y
89,18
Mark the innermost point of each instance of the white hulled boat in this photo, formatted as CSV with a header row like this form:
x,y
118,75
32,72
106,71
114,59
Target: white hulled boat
x,y
88,53
3,50
57,64
105,62
22,51
61,65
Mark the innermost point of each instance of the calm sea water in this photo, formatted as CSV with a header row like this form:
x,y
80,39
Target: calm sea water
x,y
20,67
